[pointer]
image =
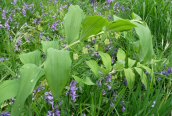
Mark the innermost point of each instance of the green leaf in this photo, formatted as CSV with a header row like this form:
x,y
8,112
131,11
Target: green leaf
x,y
120,25
86,80
31,57
57,68
29,74
8,89
72,23
143,76
121,55
131,62
94,67
107,60
49,44
130,76
92,25
136,17
145,42
144,67
119,66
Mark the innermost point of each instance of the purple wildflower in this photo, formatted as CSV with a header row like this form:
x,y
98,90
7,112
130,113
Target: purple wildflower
x,y
4,14
24,12
109,1
1,26
14,2
104,92
10,18
73,90
18,45
109,87
56,112
7,26
6,114
54,26
109,79
49,98
169,71
123,109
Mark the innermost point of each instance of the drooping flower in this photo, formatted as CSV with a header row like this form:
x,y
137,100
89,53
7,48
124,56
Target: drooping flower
x,y
14,2
73,90
6,114
54,26
123,109
1,26
18,45
109,1
4,14
49,98
7,25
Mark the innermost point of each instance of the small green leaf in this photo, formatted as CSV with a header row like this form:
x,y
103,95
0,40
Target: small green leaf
x,y
131,62
31,57
144,67
86,80
143,76
120,25
107,60
72,23
57,69
121,55
92,25
94,67
130,76
29,74
119,66
8,89
49,44
136,17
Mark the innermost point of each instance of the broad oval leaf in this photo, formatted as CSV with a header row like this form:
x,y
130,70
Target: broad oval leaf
x,y
49,44
143,76
31,57
92,25
145,42
107,61
120,25
72,23
130,76
29,75
8,89
57,68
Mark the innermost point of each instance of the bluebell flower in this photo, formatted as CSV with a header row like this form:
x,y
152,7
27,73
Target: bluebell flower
x,y
4,14
7,25
54,26
18,45
1,26
49,98
109,1
73,90
6,114
14,2
24,12
109,79
123,109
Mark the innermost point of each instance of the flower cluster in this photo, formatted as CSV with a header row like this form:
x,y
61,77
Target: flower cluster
x,y
49,98
73,90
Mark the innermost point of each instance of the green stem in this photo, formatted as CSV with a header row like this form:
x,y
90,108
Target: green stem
x,y
76,42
